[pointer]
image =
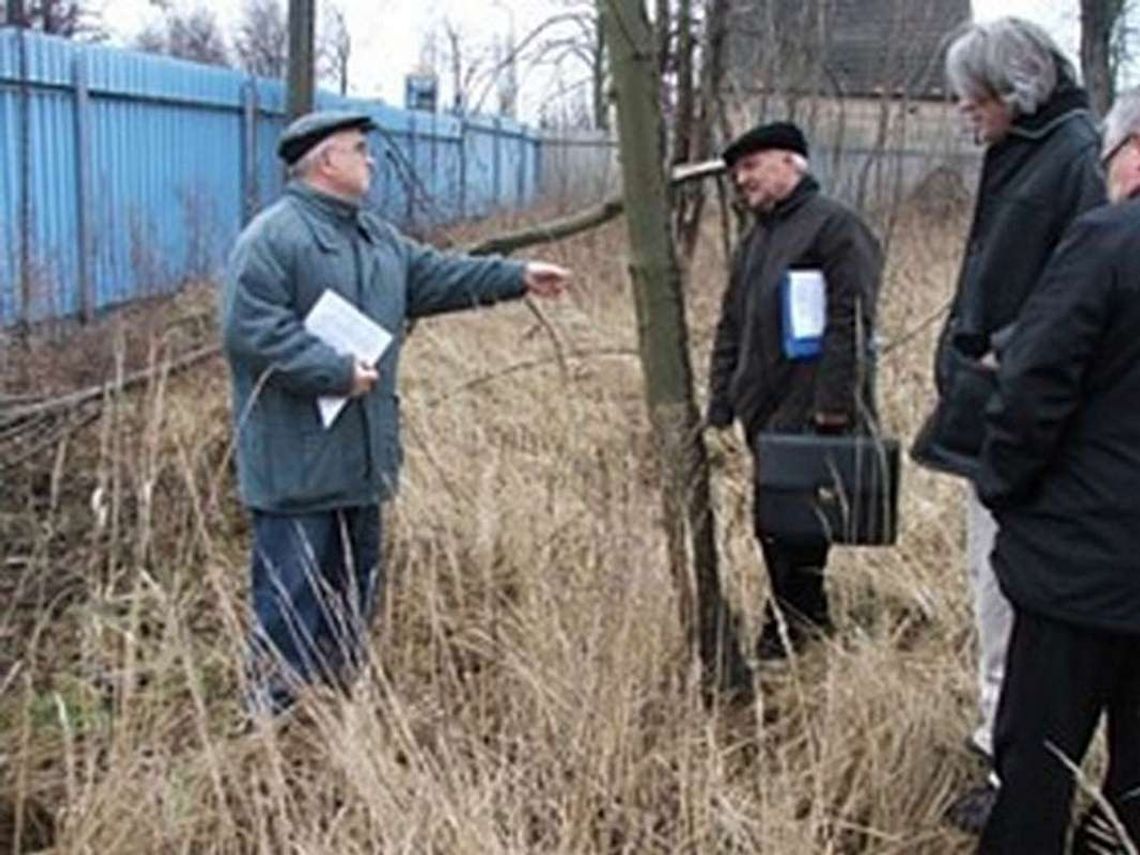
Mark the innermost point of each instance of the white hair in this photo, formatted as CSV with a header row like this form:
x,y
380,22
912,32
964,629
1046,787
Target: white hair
x,y
799,162
1123,120
305,164
1011,59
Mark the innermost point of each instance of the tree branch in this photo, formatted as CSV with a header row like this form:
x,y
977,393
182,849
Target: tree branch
x,y
586,219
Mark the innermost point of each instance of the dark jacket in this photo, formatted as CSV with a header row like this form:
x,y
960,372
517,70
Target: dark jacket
x,y
1034,183
750,377
283,261
1061,461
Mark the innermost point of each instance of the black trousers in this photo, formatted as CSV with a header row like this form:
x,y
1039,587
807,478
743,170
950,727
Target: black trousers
x,y
795,571
1059,678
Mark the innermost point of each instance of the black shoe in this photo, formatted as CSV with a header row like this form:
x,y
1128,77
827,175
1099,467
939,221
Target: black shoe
x,y
770,646
971,810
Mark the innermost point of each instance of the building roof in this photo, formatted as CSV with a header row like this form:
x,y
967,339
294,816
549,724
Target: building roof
x,y
867,46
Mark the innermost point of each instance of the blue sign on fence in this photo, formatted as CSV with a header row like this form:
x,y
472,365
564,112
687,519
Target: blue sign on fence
x,y
421,92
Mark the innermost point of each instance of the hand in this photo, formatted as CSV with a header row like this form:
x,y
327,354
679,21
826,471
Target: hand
x,y
364,378
545,280
718,416
831,422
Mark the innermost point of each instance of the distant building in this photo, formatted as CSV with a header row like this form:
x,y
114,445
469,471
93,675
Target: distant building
x,y
864,78
850,48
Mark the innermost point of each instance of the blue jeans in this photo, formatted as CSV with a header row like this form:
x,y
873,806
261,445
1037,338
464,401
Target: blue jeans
x,y
315,579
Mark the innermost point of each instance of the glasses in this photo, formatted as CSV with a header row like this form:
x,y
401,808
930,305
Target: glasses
x,y
359,148
1107,157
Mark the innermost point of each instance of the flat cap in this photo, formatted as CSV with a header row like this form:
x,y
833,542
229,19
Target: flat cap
x,y
774,135
306,131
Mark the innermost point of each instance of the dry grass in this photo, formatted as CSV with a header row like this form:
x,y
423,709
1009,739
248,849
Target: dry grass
x,y
531,693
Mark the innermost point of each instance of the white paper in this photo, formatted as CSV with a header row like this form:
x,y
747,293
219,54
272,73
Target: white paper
x,y
347,330
807,303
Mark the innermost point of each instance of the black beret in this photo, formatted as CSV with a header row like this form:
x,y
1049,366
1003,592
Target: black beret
x,y
779,135
308,130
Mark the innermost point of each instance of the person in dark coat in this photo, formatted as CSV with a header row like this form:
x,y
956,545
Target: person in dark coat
x,y
1060,470
1039,172
314,490
756,378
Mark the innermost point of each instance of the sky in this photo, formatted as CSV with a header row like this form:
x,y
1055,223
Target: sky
x,y
388,35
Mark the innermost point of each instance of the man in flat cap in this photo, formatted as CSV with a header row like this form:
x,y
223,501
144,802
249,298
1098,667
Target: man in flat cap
x,y
778,379
314,489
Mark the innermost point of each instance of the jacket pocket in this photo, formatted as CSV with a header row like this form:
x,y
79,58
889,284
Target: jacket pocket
x,y
951,438
971,386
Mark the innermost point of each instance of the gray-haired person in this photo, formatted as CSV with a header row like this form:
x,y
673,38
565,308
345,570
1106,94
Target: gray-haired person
x,y
1040,171
1061,472
314,489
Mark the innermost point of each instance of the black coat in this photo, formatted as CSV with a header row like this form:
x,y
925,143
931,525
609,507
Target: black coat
x,y
1034,183
1061,461
750,377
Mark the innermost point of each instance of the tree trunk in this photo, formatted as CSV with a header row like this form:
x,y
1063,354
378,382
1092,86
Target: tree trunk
x,y
705,111
1098,18
663,20
684,118
663,346
299,96
598,83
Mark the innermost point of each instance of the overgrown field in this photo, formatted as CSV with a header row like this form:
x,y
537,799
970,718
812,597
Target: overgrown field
x,y
531,690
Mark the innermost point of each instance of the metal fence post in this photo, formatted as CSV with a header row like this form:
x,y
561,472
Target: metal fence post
x,y
539,166
520,148
250,192
462,166
87,296
410,184
497,165
24,238
433,144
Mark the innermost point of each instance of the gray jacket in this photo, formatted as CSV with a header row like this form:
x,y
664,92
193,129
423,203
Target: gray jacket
x,y
282,263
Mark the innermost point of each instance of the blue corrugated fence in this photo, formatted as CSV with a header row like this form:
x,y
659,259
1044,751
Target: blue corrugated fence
x,y
124,174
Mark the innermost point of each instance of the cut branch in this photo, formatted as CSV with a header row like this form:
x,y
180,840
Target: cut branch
x,y
549,231
584,220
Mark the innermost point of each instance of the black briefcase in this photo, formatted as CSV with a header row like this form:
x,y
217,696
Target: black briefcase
x,y
839,489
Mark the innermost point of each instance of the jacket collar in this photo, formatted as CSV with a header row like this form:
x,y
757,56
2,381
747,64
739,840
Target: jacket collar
x,y
330,217
1068,101
803,191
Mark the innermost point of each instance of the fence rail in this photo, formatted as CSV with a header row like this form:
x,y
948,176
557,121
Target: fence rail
x,y
123,175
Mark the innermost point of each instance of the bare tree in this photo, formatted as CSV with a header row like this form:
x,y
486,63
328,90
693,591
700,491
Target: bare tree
x,y
663,343
1100,22
571,46
192,34
462,57
506,74
261,42
335,48
701,114
67,18
584,42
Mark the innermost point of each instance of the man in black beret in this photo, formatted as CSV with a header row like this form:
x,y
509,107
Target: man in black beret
x,y
314,485
790,352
